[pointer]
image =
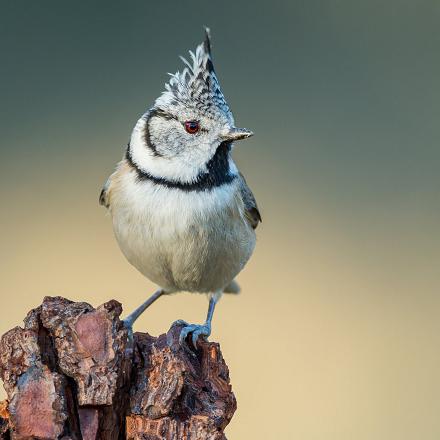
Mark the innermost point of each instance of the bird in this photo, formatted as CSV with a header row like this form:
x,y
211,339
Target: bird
x,y
182,213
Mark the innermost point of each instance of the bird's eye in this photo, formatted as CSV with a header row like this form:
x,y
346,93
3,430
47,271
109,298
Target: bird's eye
x,y
192,127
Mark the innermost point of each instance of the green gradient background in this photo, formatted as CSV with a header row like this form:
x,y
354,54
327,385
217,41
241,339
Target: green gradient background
x,y
336,334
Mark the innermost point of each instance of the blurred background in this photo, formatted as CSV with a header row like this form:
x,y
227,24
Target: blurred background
x,y
336,334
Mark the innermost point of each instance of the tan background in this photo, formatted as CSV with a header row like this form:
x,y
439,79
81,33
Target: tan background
x,y
336,335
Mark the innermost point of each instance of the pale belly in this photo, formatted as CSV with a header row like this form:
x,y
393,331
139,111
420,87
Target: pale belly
x,y
183,241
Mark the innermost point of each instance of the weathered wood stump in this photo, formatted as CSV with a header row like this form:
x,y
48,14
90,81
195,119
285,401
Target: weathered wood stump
x,y
72,373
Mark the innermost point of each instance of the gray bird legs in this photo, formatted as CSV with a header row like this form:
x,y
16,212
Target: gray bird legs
x,y
198,330
131,318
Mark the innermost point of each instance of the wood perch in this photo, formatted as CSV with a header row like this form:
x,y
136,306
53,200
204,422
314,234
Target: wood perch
x,y
71,374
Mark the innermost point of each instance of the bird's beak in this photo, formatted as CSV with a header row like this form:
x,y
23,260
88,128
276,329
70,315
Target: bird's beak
x,y
236,134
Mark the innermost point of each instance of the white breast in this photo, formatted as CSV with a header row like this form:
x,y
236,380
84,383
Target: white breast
x,y
195,241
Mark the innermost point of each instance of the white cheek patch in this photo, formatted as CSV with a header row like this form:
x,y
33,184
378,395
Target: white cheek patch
x,y
170,168
180,158
166,136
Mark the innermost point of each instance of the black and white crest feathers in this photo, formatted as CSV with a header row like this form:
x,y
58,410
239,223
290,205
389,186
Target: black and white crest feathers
x,y
197,84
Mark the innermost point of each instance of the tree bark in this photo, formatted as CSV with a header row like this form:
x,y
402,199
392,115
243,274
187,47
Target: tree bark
x,y
72,373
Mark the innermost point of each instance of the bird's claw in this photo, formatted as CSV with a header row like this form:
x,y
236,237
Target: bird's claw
x,y
197,330
129,326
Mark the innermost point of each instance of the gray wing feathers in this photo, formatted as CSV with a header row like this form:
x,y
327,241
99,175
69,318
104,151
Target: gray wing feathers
x,y
251,209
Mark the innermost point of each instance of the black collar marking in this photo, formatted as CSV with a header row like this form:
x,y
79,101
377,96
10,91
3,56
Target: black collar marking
x,y
218,172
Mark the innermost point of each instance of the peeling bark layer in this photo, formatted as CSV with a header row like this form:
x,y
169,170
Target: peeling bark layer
x,y
72,373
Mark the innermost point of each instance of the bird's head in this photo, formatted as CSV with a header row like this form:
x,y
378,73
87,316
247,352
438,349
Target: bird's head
x,y
189,125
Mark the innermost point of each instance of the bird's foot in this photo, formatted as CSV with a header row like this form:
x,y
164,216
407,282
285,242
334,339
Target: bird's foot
x,y
197,330
129,326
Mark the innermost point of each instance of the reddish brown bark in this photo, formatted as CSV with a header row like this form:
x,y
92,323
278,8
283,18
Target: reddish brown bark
x,y
71,373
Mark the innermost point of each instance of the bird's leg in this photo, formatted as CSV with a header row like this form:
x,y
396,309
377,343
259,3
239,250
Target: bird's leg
x,y
198,330
131,318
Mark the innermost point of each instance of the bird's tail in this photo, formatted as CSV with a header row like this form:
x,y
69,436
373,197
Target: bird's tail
x,y
233,287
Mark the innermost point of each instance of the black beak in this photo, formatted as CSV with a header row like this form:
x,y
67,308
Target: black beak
x,y
236,134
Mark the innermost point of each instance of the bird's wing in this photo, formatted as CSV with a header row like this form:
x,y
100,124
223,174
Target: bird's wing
x,y
252,214
103,197
113,181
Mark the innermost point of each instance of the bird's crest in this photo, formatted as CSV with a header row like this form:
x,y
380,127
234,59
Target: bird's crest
x,y
197,83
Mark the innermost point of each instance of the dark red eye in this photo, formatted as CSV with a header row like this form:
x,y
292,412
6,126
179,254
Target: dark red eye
x,y
192,127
